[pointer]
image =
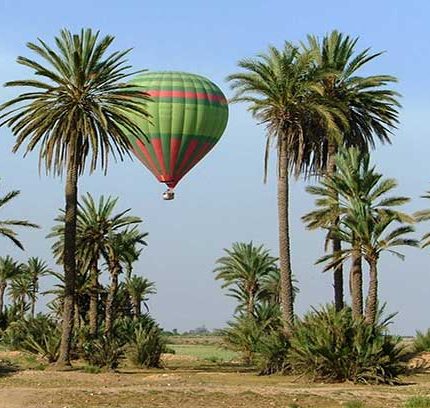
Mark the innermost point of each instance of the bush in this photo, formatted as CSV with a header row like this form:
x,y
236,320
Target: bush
x,y
273,353
418,402
422,341
332,346
146,346
103,352
39,335
243,335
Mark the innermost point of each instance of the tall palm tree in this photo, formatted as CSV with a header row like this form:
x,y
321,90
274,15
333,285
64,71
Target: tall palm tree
x,y
35,268
370,107
95,223
284,92
245,269
9,270
81,107
6,226
138,289
120,249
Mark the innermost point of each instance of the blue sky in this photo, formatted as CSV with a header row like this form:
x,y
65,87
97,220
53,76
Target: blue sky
x,y
224,199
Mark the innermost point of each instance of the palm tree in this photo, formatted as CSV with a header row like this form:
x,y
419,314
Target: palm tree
x,y
95,223
370,107
6,226
120,249
284,92
9,270
138,289
21,292
81,107
244,270
35,269
364,202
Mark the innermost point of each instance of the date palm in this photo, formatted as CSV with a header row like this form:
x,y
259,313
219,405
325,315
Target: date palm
x,y
120,249
35,268
370,106
77,113
9,270
139,289
284,92
21,292
7,226
364,204
245,270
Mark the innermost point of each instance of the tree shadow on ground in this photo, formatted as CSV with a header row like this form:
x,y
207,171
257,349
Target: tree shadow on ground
x,y
7,368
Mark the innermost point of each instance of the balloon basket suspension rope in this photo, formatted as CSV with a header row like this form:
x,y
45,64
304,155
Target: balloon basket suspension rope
x,y
169,194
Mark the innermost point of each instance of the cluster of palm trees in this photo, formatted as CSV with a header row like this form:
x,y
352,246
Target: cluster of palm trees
x,y
108,238
312,100
21,283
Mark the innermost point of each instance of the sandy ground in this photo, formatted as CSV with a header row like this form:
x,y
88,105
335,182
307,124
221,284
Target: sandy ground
x,y
192,387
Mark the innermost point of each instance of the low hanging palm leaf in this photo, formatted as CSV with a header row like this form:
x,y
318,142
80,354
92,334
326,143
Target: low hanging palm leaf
x,y
7,226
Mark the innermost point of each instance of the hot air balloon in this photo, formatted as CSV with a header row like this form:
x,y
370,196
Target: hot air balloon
x,y
188,116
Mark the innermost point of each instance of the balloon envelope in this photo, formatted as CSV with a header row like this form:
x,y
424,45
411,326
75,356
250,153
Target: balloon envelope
x,y
189,115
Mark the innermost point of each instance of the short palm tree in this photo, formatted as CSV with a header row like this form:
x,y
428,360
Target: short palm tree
x,y
9,271
370,106
284,92
35,268
80,106
120,249
245,270
7,226
365,204
21,292
139,289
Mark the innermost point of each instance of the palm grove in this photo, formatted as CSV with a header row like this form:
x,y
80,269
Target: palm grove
x,y
321,116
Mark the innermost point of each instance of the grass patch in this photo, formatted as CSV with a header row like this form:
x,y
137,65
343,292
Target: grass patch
x,y
211,353
354,404
418,402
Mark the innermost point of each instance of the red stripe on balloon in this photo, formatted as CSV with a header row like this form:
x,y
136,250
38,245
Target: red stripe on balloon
x,y
186,94
175,144
203,150
187,156
149,162
158,150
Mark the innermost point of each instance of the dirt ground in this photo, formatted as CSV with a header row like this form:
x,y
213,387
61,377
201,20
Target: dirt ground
x,y
183,384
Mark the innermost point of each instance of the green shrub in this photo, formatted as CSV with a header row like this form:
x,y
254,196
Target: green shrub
x,y
418,402
332,346
103,352
243,335
39,335
422,341
146,346
273,353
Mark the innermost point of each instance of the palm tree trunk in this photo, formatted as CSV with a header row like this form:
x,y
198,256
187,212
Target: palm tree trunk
x,y
2,290
114,269
356,284
33,299
69,262
93,310
336,243
136,307
76,316
286,284
372,295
